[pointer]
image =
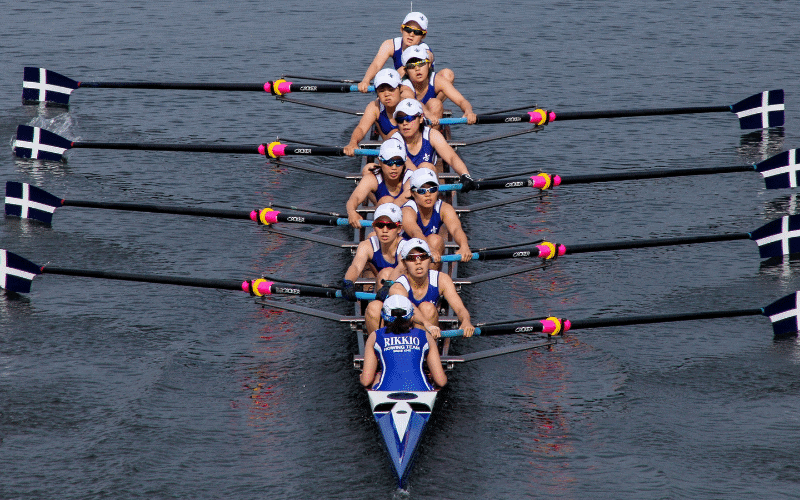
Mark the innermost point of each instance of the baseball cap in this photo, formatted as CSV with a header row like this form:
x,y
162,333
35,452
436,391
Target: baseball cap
x,y
387,76
422,176
417,17
412,244
411,107
389,210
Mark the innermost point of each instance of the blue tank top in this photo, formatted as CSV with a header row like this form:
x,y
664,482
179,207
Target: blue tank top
x,y
377,259
426,153
384,123
429,94
384,191
434,225
401,356
432,295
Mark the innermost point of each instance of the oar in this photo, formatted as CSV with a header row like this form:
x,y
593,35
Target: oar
x,y
776,238
783,313
42,85
761,110
17,273
779,171
38,143
30,202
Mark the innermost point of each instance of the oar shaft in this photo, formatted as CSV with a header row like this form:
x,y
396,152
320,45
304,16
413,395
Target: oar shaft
x,y
145,278
139,207
660,318
653,174
193,148
622,113
656,242
238,87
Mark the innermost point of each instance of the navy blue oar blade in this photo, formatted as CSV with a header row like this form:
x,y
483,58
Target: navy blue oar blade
x,y
30,202
783,315
762,110
779,237
16,273
41,85
38,143
780,171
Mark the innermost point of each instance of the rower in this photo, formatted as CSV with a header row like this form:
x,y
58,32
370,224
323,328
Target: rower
x,y
379,112
424,287
385,181
424,145
412,31
400,350
425,216
423,84
379,253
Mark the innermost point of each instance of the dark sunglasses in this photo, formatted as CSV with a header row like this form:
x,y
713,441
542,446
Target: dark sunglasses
x,y
411,29
432,189
393,162
405,118
416,257
384,225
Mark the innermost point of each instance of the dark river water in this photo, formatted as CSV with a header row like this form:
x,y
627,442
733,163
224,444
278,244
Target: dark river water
x,y
128,390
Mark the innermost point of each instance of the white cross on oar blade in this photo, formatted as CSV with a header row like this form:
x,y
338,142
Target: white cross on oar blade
x,y
42,86
764,110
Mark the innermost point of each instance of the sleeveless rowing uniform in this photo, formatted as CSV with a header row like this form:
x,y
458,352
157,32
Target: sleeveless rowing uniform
x,y
378,260
431,92
434,225
397,55
432,295
401,357
384,191
427,153
384,123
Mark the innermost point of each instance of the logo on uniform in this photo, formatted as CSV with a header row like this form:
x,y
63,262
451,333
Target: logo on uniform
x,y
427,157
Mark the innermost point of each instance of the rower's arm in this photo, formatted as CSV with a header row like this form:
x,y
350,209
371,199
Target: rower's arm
x,y
435,363
367,185
449,292
370,365
383,55
363,253
370,116
453,224
447,153
458,99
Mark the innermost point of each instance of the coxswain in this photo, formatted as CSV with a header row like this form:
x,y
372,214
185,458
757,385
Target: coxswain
x,y
427,217
380,112
424,287
429,88
424,145
380,253
412,32
399,349
385,181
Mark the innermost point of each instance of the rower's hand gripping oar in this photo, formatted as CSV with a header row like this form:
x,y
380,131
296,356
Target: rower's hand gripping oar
x,y
779,171
38,143
783,313
762,110
774,239
30,202
17,273
42,85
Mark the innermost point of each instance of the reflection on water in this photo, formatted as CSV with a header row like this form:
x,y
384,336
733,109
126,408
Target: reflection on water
x,y
761,144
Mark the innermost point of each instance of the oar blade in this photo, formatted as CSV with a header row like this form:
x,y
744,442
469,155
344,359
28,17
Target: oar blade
x,y
41,85
16,273
40,144
783,315
30,202
779,237
780,171
762,110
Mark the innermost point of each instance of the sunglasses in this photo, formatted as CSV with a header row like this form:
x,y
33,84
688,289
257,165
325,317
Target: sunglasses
x,y
432,189
405,118
416,64
384,225
411,29
416,257
393,162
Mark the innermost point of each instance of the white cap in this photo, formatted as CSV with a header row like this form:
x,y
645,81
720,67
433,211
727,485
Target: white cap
x,y
417,17
387,76
411,244
391,148
395,302
422,176
414,52
389,210
411,107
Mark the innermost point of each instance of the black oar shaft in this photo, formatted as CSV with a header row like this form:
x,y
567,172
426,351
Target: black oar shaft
x,y
657,242
254,87
502,184
621,113
194,148
652,174
139,207
660,318
145,278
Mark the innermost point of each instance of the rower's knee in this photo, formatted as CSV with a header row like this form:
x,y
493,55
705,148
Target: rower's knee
x,y
429,312
436,243
372,315
434,108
